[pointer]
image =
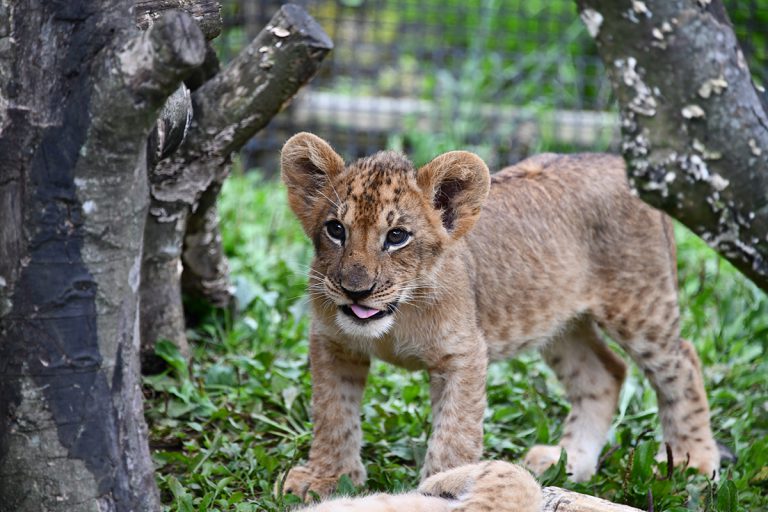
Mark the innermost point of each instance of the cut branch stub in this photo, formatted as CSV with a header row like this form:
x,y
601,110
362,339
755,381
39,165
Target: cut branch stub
x,y
177,47
240,100
285,56
246,95
228,109
694,129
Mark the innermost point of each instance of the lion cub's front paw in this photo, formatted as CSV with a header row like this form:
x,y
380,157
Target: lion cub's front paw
x,y
305,480
541,457
302,481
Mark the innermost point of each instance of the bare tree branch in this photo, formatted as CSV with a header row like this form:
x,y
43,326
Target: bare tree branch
x,y
228,109
694,128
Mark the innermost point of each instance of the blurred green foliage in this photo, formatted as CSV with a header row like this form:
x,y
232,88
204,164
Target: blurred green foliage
x,y
388,45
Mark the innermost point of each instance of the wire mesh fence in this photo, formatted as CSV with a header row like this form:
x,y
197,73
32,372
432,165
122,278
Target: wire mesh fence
x,y
503,78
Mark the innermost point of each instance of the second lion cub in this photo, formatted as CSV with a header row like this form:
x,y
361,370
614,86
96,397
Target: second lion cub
x,y
444,268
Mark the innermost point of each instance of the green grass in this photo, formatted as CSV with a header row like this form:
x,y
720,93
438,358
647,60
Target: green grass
x,y
224,430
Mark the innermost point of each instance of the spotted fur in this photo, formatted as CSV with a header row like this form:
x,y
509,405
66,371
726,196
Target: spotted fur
x,y
487,486
547,254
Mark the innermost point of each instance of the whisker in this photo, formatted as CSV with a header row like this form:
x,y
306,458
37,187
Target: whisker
x,y
337,196
334,203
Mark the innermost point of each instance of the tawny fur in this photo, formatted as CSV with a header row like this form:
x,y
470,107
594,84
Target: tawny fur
x,y
561,252
496,485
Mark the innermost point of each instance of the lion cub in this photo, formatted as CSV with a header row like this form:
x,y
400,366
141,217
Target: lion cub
x,y
493,485
444,268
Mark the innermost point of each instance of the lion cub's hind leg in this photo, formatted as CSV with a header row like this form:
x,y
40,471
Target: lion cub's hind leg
x,y
674,371
592,376
639,309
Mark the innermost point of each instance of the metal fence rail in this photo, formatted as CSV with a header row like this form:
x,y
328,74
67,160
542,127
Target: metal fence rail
x,y
501,77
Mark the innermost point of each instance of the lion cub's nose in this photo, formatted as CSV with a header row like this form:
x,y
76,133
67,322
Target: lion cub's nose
x,y
358,294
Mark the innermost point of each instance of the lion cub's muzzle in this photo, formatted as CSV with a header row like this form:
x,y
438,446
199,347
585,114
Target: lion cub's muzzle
x,y
361,312
358,294
364,313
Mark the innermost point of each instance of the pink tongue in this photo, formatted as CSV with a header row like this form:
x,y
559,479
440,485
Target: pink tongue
x,y
362,311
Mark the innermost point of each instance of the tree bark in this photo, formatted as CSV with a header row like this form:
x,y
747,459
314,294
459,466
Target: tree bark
x,y
228,109
694,127
207,13
563,500
79,92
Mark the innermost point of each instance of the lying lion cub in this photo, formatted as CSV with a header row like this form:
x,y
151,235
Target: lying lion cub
x,y
444,268
495,485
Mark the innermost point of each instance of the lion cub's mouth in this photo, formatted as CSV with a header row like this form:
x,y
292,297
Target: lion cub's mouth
x,y
365,314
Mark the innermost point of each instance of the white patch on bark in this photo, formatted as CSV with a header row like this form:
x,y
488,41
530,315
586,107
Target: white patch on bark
x,y
280,32
713,85
640,8
593,20
706,154
4,117
741,61
693,111
133,56
719,183
134,274
163,216
89,207
695,167
754,147
643,103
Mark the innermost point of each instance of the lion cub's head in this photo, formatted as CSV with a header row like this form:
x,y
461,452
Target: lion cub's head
x,y
379,226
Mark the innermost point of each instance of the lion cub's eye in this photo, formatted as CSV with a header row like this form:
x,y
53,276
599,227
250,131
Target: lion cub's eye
x,y
396,238
335,230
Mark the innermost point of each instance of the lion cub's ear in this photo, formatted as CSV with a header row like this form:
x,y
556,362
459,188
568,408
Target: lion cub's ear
x,y
307,164
456,183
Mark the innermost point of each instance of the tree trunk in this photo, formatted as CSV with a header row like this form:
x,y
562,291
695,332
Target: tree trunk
x,y
228,110
694,127
79,92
